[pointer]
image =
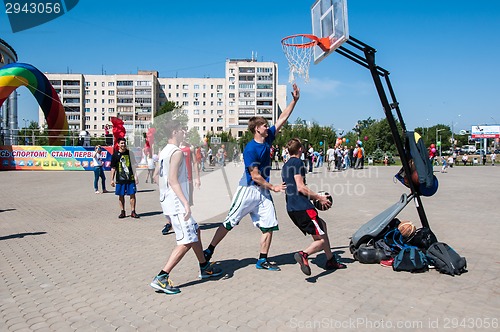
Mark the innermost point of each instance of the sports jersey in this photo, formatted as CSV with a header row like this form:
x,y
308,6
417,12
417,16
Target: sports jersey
x,y
187,155
258,155
295,201
170,203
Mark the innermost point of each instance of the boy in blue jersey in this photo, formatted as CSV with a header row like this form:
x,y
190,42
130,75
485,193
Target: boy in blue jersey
x,y
302,211
253,195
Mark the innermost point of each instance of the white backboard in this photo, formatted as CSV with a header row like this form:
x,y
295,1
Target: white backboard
x,y
329,19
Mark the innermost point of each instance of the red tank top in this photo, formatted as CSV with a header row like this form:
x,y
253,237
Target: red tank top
x,y
187,156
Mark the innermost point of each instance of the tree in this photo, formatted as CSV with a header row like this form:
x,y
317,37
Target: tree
x,y
167,112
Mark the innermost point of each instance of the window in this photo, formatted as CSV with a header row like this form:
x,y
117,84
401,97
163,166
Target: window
x,y
196,87
196,112
231,112
196,120
246,86
111,93
124,83
185,103
87,101
219,95
220,112
185,87
247,70
103,84
219,103
196,103
111,83
111,101
185,95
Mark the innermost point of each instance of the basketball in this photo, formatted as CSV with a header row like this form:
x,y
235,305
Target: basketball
x,y
406,228
318,205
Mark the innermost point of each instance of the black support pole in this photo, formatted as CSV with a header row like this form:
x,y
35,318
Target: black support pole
x,y
367,60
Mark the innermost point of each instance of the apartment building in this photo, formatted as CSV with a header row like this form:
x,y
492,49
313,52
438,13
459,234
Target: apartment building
x,y
212,105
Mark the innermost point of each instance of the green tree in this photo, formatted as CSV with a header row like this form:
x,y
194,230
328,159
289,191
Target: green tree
x,y
167,112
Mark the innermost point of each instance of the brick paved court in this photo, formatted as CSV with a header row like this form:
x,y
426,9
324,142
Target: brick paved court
x,y
68,263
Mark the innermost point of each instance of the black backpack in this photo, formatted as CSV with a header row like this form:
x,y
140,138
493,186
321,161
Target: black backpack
x,y
410,259
423,238
446,260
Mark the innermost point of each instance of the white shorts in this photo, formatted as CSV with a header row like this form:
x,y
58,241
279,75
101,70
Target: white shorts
x,y
255,201
186,232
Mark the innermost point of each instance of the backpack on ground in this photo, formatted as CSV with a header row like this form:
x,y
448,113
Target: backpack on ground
x,y
446,260
410,259
394,240
423,238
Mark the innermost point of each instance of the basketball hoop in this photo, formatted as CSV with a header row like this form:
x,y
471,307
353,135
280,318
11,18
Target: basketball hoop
x,y
298,50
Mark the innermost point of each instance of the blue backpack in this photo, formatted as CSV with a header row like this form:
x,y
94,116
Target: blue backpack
x,y
410,259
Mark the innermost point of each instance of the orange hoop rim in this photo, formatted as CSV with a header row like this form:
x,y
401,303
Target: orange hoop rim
x,y
324,43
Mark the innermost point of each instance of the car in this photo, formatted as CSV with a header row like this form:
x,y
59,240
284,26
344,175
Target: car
x,y
479,152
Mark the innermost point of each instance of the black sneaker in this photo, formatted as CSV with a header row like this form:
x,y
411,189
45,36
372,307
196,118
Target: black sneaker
x,y
134,215
166,229
208,254
333,264
122,214
264,264
301,258
209,271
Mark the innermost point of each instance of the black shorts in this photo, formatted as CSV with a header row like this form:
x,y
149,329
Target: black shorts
x,y
307,221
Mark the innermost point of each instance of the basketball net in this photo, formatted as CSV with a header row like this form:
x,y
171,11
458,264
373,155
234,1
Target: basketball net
x,y
298,50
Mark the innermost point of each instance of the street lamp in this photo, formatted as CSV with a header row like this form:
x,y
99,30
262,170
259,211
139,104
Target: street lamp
x,y
437,131
25,127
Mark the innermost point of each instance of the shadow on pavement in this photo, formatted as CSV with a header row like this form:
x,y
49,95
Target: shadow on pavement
x,y
20,235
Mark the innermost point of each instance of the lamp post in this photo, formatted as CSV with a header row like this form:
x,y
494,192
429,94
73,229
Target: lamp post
x,y
25,127
437,131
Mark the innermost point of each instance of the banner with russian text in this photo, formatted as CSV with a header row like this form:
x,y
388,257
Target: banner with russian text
x,y
51,158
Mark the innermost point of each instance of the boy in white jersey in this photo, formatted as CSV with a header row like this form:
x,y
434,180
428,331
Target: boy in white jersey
x,y
174,193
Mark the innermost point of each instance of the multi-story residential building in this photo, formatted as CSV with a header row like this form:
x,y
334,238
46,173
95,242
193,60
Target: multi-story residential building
x,y
212,105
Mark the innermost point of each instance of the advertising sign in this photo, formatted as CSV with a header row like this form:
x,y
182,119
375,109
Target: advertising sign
x,y
485,131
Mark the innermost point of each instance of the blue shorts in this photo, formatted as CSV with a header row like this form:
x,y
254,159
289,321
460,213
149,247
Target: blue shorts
x,y
123,189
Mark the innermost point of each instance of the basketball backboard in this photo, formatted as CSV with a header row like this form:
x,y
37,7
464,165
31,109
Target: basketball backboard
x,y
329,19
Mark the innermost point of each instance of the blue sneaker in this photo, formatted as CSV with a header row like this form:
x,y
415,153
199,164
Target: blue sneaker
x,y
264,264
209,271
164,284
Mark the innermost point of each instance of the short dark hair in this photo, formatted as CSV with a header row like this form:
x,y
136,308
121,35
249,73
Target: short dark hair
x,y
121,139
256,121
171,126
293,146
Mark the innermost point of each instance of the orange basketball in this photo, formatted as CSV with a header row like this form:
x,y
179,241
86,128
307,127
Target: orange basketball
x,y
406,228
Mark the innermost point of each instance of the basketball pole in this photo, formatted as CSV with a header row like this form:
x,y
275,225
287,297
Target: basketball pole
x,y
367,60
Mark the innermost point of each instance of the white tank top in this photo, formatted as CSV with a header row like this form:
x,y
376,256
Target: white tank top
x,y
170,203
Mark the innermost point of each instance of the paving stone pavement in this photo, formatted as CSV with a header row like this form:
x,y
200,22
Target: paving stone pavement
x,y
67,263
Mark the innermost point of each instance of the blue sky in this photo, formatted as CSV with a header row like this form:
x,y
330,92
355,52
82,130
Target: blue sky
x,y
442,55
